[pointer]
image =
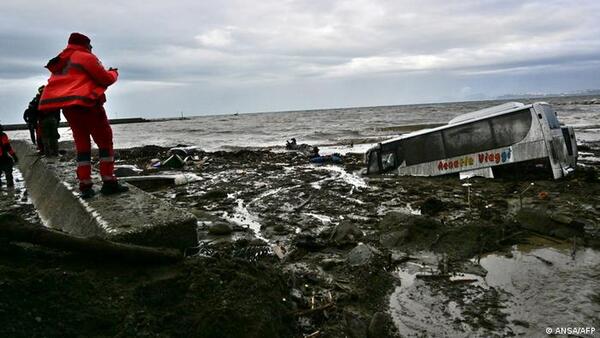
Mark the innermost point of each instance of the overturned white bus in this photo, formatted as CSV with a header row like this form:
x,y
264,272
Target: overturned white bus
x,y
477,142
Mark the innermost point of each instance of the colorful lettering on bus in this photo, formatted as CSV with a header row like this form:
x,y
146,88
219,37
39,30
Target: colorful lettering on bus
x,y
496,157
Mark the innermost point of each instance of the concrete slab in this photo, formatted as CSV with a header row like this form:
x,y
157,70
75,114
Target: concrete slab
x,y
133,217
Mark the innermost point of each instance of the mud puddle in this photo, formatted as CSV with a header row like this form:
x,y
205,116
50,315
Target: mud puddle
x,y
521,292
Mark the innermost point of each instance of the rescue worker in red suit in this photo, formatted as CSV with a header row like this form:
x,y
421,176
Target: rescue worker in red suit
x,y
77,86
7,159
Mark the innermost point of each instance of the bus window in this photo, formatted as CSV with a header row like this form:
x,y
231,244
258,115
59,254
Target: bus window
x,y
388,161
424,148
511,128
468,138
551,117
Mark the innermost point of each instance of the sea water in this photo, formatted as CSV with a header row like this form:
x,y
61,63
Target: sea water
x,y
333,130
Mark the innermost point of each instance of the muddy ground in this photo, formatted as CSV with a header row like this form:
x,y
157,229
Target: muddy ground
x,y
292,249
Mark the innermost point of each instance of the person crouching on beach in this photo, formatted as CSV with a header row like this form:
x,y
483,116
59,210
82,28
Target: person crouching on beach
x,y
7,159
77,86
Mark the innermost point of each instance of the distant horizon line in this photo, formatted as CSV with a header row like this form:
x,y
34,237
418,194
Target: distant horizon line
x,y
503,97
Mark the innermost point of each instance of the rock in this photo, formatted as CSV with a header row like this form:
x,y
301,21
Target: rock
x,y
296,295
399,257
214,195
355,325
126,170
220,229
330,263
578,224
396,220
432,206
539,221
408,230
535,220
281,229
308,242
345,232
581,224
561,218
258,242
564,232
378,327
361,254
394,238
474,269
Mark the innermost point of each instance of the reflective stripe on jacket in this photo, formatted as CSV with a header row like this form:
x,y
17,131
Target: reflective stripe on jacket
x,y
78,79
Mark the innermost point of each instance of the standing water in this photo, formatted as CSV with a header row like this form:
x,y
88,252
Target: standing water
x,y
523,293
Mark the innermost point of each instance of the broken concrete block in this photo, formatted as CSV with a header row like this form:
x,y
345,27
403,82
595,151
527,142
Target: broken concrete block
x,y
134,217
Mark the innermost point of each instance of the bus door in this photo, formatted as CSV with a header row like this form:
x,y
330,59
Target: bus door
x,y
373,160
391,156
554,139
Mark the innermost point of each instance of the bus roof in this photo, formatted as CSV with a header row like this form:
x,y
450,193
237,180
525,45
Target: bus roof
x,y
470,117
486,112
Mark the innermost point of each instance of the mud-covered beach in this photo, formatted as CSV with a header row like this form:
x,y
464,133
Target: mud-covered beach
x,y
287,248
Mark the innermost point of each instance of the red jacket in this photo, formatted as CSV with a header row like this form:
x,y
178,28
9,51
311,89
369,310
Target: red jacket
x,y
5,147
78,79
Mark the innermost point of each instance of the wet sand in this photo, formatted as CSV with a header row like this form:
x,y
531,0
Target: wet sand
x,y
287,248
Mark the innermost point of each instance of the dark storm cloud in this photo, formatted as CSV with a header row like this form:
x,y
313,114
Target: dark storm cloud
x,y
239,55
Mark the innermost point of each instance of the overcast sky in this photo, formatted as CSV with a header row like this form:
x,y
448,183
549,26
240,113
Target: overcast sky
x,y
215,57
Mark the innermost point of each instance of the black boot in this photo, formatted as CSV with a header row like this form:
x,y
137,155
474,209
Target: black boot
x,y
113,187
10,182
87,193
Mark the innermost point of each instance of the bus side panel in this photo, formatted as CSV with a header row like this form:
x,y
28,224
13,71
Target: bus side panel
x,y
530,151
521,152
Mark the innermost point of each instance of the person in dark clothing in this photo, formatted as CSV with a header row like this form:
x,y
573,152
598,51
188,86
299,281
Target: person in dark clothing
x,y
7,158
48,122
31,116
291,144
315,152
44,125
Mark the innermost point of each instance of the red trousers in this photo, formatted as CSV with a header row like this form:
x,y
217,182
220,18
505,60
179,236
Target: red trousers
x,y
86,122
